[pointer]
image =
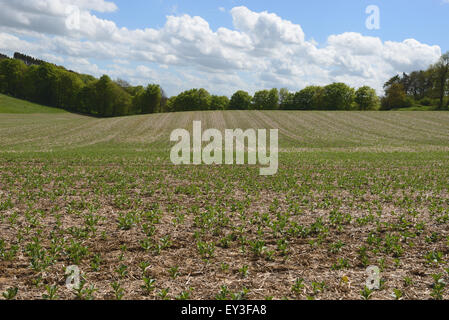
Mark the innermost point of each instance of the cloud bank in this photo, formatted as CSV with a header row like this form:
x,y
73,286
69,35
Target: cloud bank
x,y
261,51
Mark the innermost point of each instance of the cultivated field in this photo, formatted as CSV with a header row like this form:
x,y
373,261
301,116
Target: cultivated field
x,y
354,189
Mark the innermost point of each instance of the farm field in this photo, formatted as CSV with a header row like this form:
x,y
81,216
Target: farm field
x,y
354,189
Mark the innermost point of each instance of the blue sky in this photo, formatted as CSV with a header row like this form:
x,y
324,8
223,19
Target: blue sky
x,y
226,45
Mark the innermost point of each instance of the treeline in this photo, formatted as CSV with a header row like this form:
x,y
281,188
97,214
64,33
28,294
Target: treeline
x,y
337,96
420,88
38,81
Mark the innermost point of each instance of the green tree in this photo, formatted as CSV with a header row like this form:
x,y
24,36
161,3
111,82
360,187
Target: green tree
x,y
273,100
219,102
395,97
104,97
70,86
191,100
151,99
309,98
338,96
266,100
11,76
45,82
202,98
286,99
87,99
260,100
441,76
122,101
111,99
29,83
366,98
137,94
420,85
241,100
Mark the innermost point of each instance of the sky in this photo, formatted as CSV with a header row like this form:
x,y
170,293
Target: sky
x,y
228,45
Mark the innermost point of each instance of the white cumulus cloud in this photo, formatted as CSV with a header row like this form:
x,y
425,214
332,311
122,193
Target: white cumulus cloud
x,y
262,50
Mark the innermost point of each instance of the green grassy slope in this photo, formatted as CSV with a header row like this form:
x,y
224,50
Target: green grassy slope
x,y
17,106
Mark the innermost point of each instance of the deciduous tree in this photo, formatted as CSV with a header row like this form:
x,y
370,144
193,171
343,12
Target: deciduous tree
x,y
241,100
366,98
